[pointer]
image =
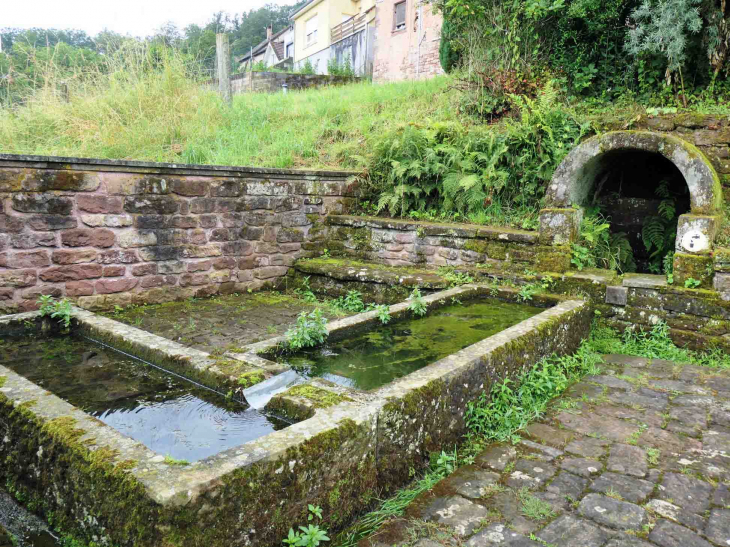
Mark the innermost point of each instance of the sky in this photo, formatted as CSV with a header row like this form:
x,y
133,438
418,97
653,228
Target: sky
x,y
135,17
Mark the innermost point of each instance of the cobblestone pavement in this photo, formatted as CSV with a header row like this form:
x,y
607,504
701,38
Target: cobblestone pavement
x,y
636,457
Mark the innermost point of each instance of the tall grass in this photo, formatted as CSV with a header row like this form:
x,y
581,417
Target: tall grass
x,y
149,103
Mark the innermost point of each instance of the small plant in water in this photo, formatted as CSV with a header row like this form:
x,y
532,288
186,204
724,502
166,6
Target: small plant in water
x,y
417,305
383,313
308,536
310,330
56,309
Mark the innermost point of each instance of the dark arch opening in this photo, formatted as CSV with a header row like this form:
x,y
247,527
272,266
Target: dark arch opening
x,y
642,194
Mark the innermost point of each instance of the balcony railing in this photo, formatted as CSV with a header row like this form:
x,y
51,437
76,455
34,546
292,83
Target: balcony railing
x,y
349,27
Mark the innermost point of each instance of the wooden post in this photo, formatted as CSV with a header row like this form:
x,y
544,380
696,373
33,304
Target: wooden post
x,y
223,54
64,92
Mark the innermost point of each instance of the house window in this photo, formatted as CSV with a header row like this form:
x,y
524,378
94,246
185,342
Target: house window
x,y
311,30
399,16
289,51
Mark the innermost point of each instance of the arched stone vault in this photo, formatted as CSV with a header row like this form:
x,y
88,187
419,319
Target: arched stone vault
x,y
574,178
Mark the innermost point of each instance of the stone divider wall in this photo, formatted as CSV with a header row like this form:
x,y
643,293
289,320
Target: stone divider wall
x,y
115,233
406,243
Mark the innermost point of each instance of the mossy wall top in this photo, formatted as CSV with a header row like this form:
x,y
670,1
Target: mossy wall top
x,y
108,233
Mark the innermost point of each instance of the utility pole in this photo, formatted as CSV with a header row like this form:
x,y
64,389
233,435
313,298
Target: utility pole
x,y
223,54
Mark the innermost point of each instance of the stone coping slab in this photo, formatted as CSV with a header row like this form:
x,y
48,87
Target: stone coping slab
x,y
359,448
96,164
437,228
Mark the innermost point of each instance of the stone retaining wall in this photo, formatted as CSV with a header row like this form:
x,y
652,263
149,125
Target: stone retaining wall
x,y
711,134
406,243
272,82
115,233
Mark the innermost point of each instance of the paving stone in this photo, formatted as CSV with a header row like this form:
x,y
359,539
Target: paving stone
x,y
694,400
509,506
628,542
587,447
646,416
462,515
608,381
546,434
496,457
654,475
668,441
590,424
530,474
722,495
567,485
570,531
668,534
716,440
540,451
499,534
643,398
718,527
581,389
627,459
676,513
470,481
688,492
585,467
678,427
625,360
611,512
631,489
678,386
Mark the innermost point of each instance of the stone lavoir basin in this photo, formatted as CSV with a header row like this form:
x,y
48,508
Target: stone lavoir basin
x,y
376,356
182,420
120,452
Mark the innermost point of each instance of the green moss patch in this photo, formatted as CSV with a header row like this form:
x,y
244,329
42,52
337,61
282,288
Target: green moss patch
x,y
248,379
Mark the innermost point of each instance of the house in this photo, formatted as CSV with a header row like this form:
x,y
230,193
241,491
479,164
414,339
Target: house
x,y
407,36
334,31
276,50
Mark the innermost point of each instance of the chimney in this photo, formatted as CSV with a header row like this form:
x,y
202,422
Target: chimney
x,y
268,32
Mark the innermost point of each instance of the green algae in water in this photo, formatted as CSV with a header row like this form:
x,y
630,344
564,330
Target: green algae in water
x,y
167,414
371,359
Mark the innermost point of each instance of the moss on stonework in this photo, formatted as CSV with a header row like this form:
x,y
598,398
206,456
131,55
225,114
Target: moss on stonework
x,y
3,379
320,398
251,378
300,402
698,267
75,469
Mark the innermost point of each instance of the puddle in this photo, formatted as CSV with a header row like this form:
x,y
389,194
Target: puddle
x,y
167,414
371,359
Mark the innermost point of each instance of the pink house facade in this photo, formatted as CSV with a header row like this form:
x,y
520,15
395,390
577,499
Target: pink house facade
x,y
407,41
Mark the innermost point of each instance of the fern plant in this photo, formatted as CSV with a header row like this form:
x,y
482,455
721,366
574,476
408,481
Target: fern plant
x,y
660,231
598,247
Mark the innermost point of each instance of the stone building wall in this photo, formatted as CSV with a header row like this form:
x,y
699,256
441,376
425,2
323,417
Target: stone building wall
x,y
410,53
107,233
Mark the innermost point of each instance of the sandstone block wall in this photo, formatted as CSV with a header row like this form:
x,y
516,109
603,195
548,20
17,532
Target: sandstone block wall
x,y
407,243
107,233
711,134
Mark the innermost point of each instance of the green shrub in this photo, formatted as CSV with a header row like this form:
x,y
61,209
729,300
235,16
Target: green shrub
x,y
416,304
310,330
61,310
455,169
599,248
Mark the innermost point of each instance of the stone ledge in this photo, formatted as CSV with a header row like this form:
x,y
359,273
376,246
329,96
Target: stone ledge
x,y
474,231
95,164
